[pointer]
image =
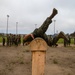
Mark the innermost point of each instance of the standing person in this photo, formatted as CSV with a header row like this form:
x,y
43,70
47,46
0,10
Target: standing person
x,y
23,40
3,41
40,32
65,42
19,39
74,40
69,40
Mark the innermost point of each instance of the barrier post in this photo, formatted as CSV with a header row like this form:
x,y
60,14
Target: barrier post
x,y
38,48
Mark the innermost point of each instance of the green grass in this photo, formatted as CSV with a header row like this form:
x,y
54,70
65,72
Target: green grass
x,y
0,39
60,41
72,41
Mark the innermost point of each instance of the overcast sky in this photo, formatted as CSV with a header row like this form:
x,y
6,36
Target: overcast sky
x,y
31,14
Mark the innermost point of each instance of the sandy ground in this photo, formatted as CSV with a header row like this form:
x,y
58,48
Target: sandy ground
x,y
17,60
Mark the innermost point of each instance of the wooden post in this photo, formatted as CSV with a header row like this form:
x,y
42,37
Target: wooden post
x,y
38,47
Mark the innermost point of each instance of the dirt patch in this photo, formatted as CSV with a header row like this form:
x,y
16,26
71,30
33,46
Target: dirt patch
x,y
17,60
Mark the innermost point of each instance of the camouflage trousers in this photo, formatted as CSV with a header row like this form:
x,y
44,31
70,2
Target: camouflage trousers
x,y
40,32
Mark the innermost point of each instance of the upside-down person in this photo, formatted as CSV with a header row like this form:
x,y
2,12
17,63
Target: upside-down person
x,y
40,32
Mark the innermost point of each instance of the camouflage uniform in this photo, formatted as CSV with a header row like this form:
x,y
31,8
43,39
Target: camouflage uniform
x,y
40,32
3,41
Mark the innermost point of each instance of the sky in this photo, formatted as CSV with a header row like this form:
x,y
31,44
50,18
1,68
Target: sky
x,y
30,14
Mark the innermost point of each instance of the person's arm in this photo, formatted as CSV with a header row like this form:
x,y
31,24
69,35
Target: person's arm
x,y
28,35
32,36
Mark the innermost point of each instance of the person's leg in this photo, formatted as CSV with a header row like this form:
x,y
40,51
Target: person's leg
x,y
42,29
60,35
55,39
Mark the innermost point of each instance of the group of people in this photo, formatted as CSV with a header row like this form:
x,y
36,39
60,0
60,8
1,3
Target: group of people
x,y
39,32
12,40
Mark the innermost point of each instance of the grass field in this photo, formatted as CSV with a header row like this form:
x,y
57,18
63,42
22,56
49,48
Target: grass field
x,y
0,39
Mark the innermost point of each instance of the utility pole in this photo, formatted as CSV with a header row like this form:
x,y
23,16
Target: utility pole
x,y
7,24
16,28
54,26
35,26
